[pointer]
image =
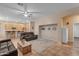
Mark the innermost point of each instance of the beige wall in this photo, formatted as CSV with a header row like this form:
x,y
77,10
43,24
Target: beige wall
x,y
71,19
45,21
32,26
61,23
75,21
75,18
2,31
66,20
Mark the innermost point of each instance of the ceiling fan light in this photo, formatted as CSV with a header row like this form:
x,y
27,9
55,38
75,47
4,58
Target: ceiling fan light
x,y
25,15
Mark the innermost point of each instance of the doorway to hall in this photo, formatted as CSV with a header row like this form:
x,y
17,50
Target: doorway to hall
x,y
73,30
76,35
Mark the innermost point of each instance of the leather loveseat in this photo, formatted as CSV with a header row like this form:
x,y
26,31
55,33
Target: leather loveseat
x,y
28,36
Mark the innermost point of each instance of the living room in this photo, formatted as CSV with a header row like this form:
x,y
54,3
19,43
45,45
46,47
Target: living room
x,y
36,29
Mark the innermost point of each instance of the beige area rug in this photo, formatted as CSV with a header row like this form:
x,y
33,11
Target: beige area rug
x,y
40,45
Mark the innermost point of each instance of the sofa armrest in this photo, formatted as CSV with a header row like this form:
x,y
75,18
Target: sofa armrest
x,y
6,40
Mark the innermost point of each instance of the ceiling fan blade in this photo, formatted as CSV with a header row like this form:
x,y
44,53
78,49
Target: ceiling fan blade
x,y
20,11
25,7
33,12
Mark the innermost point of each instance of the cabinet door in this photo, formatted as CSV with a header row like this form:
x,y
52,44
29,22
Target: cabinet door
x,y
8,27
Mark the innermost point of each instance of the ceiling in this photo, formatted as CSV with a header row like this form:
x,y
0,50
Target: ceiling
x,y
9,11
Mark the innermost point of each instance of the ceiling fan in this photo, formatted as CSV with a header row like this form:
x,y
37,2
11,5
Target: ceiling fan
x,y
25,13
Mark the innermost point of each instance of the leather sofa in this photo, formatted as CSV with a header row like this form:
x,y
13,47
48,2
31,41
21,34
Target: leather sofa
x,y
7,48
28,36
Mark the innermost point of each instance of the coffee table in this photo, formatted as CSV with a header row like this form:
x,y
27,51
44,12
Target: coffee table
x,y
24,47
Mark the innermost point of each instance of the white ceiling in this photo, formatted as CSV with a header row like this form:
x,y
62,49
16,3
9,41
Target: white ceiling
x,y
9,10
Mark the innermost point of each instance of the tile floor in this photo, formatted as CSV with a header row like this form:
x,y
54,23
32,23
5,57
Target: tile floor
x,y
57,49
